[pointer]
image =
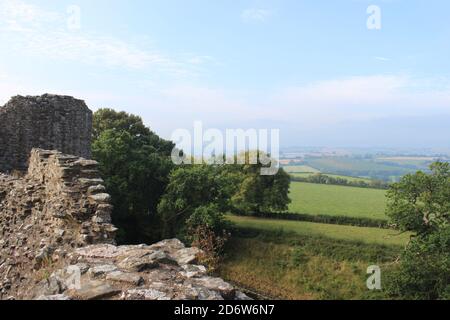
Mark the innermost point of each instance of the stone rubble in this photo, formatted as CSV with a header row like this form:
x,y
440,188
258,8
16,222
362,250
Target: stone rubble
x,y
105,274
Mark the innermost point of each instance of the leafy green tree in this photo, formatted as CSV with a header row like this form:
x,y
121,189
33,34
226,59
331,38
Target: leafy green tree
x,y
194,206
106,119
135,164
420,203
196,193
424,271
258,193
225,188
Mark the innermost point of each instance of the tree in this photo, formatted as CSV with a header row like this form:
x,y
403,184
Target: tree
x,y
135,164
198,194
109,119
424,271
258,193
420,203
105,119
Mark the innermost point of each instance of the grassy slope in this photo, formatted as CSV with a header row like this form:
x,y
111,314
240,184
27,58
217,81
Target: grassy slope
x,y
304,267
338,232
312,198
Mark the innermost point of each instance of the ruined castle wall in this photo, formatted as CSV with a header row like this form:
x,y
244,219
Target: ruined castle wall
x,y
59,205
49,122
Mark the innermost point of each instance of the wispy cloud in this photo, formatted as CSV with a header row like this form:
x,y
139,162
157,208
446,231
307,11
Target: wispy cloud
x,y
28,28
382,59
255,15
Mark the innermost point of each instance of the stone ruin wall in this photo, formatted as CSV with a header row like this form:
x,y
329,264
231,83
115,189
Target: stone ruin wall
x,y
49,122
55,224
58,206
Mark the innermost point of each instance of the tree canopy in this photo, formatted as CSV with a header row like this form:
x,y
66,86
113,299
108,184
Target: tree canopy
x,y
420,203
135,164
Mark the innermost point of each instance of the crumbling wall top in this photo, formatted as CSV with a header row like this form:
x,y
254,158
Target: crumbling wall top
x,y
50,122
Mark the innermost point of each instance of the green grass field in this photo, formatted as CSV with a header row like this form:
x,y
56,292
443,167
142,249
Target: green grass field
x,y
310,198
331,231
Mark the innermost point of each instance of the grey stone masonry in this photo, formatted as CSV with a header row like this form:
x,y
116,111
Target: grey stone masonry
x,y
50,122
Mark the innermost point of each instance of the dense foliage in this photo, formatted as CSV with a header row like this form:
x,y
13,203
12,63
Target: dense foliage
x,y
196,195
135,164
421,203
256,194
196,192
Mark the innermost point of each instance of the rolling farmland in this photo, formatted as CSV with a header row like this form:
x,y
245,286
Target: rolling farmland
x,y
309,198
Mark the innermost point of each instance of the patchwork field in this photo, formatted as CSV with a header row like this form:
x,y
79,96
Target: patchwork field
x,y
421,163
360,167
309,198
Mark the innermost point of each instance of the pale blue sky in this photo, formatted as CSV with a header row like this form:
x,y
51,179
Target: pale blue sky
x,y
311,68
